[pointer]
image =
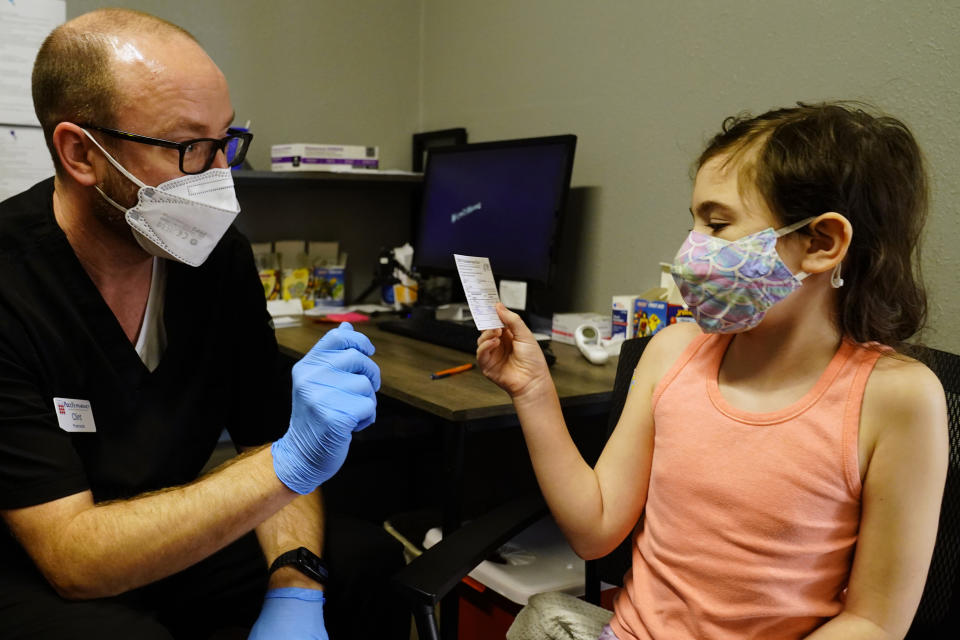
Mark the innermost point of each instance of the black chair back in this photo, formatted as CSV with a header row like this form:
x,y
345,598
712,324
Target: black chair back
x,y
611,567
938,615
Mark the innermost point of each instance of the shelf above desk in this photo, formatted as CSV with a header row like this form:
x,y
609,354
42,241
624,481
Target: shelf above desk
x,y
327,178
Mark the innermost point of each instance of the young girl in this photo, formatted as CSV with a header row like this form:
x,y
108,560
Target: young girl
x,y
780,467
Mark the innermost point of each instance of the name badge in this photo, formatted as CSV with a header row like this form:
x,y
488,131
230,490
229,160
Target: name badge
x,y
74,415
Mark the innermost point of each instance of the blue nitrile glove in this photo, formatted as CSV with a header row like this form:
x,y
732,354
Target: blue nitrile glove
x,y
334,394
290,613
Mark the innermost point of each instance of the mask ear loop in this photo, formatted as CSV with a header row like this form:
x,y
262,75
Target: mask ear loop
x,y
793,227
132,178
790,229
835,280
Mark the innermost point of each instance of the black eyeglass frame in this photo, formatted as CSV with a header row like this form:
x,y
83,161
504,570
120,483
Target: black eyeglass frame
x,y
221,144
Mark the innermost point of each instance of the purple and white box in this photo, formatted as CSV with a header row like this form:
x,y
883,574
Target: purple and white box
x,y
302,156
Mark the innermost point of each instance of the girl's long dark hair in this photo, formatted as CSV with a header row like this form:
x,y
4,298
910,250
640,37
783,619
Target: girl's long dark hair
x,y
844,157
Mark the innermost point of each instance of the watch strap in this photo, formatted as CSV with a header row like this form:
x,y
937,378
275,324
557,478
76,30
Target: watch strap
x,y
304,561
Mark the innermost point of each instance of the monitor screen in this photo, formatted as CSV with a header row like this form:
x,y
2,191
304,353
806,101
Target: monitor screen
x,y
501,200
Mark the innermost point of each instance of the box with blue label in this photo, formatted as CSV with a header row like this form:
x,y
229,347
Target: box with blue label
x,y
649,316
329,285
677,313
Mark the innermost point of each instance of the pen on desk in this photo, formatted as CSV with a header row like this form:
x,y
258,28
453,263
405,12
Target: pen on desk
x,y
451,371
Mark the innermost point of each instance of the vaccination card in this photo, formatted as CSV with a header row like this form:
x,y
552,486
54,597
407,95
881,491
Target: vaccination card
x,y
480,289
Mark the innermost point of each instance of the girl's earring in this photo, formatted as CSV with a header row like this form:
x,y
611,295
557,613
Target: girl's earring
x,y
835,280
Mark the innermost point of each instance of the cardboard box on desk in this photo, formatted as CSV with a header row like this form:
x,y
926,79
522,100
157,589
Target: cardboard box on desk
x,y
295,278
330,282
302,156
635,316
653,311
651,316
268,266
678,313
622,316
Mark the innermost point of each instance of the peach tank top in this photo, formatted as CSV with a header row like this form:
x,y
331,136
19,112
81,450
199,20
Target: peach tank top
x,y
751,518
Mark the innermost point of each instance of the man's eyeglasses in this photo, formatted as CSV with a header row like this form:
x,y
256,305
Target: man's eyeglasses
x,y
196,155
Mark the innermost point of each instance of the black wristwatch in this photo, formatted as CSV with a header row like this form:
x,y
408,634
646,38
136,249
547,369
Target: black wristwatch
x,y
304,561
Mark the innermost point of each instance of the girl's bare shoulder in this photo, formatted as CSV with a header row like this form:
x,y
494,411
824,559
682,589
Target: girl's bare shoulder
x,y
898,380
665,347
903,396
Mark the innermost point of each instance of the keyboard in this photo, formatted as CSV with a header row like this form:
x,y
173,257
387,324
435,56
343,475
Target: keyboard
x,y
456,335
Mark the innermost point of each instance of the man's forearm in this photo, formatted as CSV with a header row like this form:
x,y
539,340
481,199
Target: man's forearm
x,y
299,524
117,546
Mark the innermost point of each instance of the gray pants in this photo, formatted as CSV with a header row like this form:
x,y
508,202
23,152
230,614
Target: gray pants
x,y
558,616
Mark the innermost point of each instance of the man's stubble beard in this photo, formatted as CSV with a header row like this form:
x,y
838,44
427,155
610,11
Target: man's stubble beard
x,y
122,191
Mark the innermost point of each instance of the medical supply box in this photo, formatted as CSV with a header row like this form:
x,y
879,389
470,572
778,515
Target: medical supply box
x,y
622,317
302,156
651,316
635,316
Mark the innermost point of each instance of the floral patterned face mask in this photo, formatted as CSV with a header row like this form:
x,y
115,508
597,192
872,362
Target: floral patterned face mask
x,y
729,286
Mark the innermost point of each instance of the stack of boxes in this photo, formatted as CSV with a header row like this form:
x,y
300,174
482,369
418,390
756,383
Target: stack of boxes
x,y
632,316
312,272
645,314
635,316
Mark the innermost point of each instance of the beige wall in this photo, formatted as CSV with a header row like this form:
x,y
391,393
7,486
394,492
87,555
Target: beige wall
x,y
644,83
308,70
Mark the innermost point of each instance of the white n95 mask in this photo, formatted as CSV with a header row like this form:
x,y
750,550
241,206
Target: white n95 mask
x,y
181,219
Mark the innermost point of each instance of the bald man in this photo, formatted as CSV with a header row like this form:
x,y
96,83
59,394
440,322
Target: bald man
x,y
133,330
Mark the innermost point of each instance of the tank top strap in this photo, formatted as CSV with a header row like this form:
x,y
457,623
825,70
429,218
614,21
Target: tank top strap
x,y
866,356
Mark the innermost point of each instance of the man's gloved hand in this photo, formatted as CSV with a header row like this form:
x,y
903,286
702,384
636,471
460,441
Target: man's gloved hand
x,y
290,613
334,394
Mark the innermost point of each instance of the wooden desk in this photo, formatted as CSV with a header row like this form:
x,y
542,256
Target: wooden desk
x,y
406,365
466,401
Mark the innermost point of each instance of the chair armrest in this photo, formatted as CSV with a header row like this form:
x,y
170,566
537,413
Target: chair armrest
x,y
432,575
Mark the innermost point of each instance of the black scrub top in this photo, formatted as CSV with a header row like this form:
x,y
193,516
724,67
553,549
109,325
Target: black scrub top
x,y
59,339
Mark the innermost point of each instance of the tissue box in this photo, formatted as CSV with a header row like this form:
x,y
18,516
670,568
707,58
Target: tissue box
x,y
302,156
565,325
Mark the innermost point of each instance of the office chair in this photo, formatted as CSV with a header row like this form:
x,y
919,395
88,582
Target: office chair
x,y
431,576
938,615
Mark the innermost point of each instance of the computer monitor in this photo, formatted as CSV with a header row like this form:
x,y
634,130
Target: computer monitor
x,y
502,200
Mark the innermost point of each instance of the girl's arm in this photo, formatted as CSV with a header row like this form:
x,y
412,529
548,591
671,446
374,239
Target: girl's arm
x,y
904,407
595,508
